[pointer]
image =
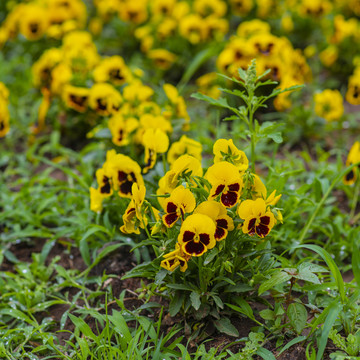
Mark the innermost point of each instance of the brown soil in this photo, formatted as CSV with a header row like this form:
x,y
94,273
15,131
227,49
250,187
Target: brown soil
x,y
118,264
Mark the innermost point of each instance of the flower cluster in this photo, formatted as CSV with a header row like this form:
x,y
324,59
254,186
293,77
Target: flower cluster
x,y
51,18
207,219
4,112
201,206
254,40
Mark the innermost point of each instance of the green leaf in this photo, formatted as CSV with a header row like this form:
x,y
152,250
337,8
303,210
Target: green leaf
x,y
83,327
276,137
265,354
120,325
17,314
332,266
292,342
328,324
209,257
297,315
195,300
278,278
175,304
355,261
267,314
221,102
225,326
218,301
306,275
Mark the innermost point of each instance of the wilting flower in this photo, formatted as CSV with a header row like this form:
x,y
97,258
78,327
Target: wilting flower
x,y
180,202
197,234
104,99
353,158
226,183
258,220
133,218
216,211
155,141
112,69
174,259
225,150
185,145
76,97
329,105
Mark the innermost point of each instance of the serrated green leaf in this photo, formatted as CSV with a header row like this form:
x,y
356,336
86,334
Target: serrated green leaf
x,y
297,315
277,278
225,326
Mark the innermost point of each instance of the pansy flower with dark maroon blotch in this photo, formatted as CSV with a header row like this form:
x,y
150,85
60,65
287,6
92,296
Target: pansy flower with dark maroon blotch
x,y
76,97
257,218
180,202
197,234
104,99
174,259
103,177
124,173
353,158
216,211
226,183
121,128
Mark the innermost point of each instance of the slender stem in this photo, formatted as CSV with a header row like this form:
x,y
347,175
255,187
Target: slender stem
x,y
252,136
322,201
355,199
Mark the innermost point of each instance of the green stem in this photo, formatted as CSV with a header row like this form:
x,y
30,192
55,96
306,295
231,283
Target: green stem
x,y
322,201
252,137
355,199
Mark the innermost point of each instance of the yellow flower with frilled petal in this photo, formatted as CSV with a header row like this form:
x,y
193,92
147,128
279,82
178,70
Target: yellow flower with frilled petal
x,y
4,117
329,104
34,21
96,199
112,69
133,218
185,145
226,183
155,142
104,99
197,235
258,220
216,211
353,158
162,58
225,150
121,128
180,202
124,172
76,97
